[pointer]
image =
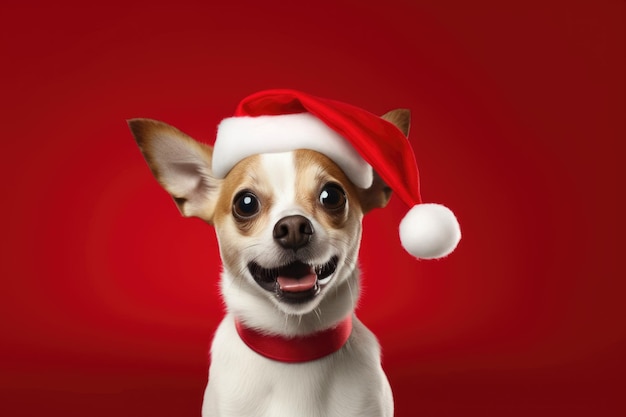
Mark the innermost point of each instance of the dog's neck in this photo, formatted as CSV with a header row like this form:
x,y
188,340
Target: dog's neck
x,y
296,349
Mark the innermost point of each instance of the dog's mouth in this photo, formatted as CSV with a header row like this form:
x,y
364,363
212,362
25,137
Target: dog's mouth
x,y
296,282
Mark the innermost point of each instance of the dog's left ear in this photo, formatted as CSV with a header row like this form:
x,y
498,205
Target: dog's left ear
x,y
379,193
180,164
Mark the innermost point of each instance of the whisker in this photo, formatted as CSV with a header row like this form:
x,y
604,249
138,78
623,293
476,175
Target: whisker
x,y
350,291
318,313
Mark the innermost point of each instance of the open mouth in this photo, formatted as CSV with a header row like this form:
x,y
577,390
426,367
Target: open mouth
x,y
296,282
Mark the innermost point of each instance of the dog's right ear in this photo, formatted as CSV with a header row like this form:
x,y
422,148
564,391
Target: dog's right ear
x,y
379,193
180,164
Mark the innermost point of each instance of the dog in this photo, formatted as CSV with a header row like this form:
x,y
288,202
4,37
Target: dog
x,y
289,226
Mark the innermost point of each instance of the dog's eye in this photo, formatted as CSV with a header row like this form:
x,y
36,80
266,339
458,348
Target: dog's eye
x,y
332,197
245,205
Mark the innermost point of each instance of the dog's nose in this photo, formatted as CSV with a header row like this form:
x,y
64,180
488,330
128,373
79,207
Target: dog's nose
x,y
293,232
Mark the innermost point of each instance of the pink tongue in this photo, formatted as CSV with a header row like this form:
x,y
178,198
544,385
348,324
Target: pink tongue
x,y
303,283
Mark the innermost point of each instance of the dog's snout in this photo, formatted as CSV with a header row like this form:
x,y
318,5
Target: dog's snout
x,y
293,232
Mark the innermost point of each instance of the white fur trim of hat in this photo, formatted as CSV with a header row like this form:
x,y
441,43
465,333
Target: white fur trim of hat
x,y
241,137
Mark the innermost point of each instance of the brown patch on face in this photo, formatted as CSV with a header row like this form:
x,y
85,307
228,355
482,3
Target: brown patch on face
x,y
234,233
245,176
314,171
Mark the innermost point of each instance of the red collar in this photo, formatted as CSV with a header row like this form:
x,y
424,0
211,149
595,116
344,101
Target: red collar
x,y
298,348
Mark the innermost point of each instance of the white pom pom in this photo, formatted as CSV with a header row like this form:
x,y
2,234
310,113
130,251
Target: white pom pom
x,y
429,231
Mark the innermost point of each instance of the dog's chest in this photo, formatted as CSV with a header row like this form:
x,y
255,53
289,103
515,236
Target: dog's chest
x,y
348,383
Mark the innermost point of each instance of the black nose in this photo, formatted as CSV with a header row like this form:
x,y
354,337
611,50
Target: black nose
x,y
293,232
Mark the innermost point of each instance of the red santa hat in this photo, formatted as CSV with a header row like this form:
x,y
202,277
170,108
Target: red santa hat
x,y
355,139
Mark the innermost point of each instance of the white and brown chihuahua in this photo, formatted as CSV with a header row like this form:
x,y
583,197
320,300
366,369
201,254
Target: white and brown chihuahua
x,y
289,231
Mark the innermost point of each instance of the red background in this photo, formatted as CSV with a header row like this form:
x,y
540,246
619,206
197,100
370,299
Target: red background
x,y
109,298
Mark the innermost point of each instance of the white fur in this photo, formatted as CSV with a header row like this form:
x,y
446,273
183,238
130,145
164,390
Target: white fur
x,y
240,137
281,174
347,383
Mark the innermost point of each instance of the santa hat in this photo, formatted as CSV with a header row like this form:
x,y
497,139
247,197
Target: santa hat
x,y
355,139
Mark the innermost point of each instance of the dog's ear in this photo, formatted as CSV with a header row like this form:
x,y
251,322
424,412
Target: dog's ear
x,y
379,193
180,164
401,118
